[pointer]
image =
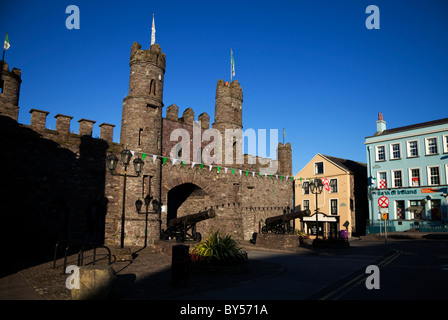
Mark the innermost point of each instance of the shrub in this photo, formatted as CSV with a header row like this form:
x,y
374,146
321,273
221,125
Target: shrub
x,y
218,249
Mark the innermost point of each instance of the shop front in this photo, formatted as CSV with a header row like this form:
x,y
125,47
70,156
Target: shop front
x,y
326,225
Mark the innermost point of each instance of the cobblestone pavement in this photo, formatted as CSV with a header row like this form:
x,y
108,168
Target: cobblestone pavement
x,y
147,276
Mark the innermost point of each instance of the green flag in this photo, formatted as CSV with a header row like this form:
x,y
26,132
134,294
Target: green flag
x,y
6,45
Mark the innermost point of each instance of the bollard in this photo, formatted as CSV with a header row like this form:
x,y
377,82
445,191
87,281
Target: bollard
x,y
179,265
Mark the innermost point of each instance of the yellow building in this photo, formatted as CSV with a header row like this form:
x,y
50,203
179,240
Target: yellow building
x,y
342,203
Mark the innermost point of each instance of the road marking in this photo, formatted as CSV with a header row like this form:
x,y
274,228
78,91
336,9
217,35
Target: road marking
x,y
340,291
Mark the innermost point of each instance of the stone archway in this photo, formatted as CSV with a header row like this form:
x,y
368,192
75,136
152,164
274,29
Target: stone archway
x,y
185,199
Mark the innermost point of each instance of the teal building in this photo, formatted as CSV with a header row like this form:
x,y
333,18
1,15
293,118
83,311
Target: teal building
x,y
407,170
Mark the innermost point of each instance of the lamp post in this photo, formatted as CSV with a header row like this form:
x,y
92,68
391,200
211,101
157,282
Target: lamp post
x,y
156,207
111,162
315,187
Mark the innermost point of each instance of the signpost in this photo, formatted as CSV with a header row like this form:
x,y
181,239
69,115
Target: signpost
x,y
383,202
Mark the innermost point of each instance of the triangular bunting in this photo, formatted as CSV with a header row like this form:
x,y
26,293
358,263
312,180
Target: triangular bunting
x,y
143,156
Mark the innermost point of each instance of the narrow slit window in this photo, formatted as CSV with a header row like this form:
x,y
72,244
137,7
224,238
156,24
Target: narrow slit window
x,y
140,136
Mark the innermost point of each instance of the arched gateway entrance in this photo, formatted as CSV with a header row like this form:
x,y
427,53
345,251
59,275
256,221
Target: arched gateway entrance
x,y
186,199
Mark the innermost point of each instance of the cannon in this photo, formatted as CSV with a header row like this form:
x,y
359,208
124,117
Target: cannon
x,y
184,228
280,224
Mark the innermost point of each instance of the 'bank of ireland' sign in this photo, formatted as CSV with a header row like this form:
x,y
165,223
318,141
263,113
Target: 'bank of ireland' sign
x,y
395,192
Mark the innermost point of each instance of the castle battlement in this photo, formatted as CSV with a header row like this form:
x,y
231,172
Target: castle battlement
x,y
39,118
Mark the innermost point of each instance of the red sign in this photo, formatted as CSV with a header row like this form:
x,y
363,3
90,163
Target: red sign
x,y
383,202
382,184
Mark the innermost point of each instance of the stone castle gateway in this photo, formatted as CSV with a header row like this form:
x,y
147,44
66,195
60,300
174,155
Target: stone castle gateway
x,y
83,200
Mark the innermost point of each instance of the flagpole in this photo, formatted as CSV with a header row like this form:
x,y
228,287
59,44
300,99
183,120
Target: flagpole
x,y
230,65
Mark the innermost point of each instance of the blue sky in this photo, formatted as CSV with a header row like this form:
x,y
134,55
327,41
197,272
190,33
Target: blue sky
x,y
311,67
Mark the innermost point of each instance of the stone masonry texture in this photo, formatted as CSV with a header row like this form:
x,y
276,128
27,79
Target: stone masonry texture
x,y
59,189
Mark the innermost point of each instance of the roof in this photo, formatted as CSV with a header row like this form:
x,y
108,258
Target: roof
x,y
348,165
411,127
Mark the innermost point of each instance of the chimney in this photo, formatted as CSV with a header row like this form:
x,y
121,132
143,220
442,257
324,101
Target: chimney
x,y
380,124
107,132
85,127
38,119
63,123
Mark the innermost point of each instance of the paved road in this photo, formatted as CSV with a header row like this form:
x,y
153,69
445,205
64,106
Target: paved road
x,y
417,270
303,274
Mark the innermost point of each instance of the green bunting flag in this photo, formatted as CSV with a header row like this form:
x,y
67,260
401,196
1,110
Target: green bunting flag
x,y
143,156
217,168
201,166
233,171
163,160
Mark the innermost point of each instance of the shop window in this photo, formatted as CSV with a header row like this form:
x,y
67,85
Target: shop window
x,y
399,204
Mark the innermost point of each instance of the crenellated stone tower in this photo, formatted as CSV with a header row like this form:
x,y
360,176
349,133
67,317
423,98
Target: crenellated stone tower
x,y
142,108
284,156
228,114
9,90
141,126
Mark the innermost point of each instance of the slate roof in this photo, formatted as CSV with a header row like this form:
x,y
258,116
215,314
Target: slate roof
x,y
411,127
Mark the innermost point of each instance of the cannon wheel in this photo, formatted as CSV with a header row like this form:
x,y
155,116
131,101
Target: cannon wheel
x,y
264,230
197,236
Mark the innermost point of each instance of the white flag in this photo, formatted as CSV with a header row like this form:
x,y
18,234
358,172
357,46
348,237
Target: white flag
x,y
153,31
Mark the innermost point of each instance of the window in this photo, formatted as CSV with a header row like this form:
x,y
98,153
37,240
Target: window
x,y
399,205
334,185
306,204
140,136
395,151
412,148
382,180
305,187
319,168
414,177
445,144
380,153
334,206
152,87
431,146
397,181
433,176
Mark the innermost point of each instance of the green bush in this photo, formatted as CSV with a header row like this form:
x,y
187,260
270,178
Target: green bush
x,y
218,249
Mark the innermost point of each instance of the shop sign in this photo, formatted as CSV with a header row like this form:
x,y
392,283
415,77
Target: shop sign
x,y
395,192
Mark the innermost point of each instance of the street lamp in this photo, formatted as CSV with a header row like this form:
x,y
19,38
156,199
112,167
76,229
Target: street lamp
x,y
138,206
315,187
111,162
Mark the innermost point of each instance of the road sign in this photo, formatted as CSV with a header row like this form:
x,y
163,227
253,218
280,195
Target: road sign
x,y
384,215
383,202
